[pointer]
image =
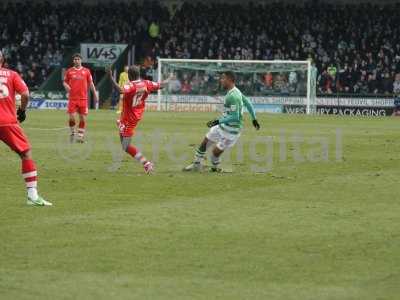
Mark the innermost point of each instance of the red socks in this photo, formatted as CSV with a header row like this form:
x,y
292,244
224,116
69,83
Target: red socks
x,y
136,154
29,173
81,130
132,150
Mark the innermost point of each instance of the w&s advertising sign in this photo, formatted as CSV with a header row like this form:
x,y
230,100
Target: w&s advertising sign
x,y
101,55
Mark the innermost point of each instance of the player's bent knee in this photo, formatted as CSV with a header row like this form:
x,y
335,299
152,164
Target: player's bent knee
x,y
26,154
125,142
217,151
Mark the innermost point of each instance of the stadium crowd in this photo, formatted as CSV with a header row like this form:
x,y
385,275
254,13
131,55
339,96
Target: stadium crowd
x,y
356,49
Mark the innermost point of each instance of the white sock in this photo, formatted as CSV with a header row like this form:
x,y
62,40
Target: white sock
x,y
215,161
199,156
81,132
140,158
32,193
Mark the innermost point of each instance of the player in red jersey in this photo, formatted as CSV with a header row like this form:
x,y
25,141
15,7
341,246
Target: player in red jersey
x,y
135,93
77,81
10,131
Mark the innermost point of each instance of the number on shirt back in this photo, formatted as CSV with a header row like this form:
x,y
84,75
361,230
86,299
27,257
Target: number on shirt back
x,y
138,96
4,92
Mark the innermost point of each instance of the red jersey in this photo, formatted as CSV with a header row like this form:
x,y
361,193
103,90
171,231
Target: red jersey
x,y
79,81
10,84
135,95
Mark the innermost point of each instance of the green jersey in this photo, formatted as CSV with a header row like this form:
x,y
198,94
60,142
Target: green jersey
x,y
232,118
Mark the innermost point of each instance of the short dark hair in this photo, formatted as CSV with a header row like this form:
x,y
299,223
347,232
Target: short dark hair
x,y
230,75
133,72
77,55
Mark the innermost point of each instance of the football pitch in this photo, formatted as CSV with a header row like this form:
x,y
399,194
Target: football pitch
x,y
308,209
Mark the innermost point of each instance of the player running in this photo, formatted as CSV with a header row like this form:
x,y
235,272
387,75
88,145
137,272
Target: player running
x,y
10,131
225,131
76,82
135,93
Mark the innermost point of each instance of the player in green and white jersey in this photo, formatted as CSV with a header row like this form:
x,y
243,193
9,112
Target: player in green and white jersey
x,y
224,131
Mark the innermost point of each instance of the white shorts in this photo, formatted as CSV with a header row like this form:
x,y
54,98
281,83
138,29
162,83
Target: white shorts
x,y
222,138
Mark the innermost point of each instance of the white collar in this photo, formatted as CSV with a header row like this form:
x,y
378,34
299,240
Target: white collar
x,y
231,90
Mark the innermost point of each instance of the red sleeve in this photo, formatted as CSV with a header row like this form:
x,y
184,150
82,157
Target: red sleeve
x,y
66,76
152,86
89,76
19,85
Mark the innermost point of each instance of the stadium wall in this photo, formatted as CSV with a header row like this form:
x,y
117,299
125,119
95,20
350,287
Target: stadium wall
x,y
355,107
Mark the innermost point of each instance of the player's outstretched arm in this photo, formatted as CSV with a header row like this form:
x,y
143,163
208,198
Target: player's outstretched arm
x,y
153,86
250,109
164,83
113,81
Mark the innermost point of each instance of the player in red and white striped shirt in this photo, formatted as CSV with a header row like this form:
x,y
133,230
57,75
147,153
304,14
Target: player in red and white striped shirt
x,y
10,131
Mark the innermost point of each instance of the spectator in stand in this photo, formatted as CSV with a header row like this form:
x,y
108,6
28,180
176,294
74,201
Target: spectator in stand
x,y
279,83
154,29
174,85
362,86
387,83
293,82
31,79
396,85
268,80
326,83
373,87
186,88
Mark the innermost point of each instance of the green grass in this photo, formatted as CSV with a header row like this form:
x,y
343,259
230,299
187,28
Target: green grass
x,y
303,230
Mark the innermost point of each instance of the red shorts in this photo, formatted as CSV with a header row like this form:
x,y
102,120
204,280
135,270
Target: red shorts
x,y
126,130
79,106
15,138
